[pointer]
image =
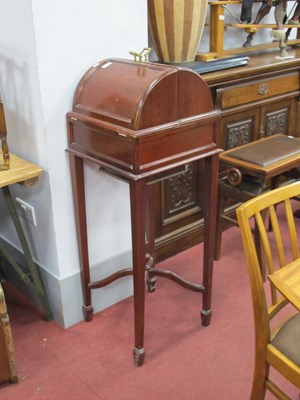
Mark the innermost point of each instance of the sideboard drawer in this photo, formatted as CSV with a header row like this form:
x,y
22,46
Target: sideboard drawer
x,y
258,90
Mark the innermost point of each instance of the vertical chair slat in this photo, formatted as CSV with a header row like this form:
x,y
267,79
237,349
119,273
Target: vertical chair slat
x,y
292,228
264,241
277,236
279,248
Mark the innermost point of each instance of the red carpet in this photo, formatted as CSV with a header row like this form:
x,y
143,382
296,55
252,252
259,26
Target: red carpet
x,y
184,360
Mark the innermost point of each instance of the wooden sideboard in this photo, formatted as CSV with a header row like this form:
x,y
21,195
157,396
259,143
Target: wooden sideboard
x,y
256,101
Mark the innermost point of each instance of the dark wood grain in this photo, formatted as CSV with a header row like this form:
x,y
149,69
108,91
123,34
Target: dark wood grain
x,y
143,123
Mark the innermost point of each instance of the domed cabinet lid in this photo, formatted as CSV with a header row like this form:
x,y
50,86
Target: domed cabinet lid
x,y
140,95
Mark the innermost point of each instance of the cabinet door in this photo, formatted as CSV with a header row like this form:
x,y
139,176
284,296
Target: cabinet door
x,y
279,117
179,211
239,128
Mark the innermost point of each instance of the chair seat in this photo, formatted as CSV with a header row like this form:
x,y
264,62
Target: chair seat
x,y
287,340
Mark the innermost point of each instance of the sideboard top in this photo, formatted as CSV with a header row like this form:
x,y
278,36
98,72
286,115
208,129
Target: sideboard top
x,y
264,63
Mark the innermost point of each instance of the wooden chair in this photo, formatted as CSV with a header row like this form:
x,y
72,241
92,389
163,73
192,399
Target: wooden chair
x,y
275,346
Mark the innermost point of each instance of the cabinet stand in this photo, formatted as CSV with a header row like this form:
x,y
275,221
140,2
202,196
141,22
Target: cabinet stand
x,y
142,225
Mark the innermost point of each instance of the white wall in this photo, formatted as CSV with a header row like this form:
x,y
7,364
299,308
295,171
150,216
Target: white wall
x,y
45,48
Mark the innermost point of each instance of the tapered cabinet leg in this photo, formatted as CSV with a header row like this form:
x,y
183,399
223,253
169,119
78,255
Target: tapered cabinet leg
x,y
210,211
77,175
138,227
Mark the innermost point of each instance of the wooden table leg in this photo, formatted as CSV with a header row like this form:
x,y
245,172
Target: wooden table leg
x,y
35,279
77,175
210,211
138,232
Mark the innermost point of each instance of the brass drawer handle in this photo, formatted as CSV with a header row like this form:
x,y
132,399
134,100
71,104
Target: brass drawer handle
x,y
263,89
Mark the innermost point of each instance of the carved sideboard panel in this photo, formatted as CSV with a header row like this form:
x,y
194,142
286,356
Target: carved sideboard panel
x,y
277,121
180,192
179,210
256,101
239,133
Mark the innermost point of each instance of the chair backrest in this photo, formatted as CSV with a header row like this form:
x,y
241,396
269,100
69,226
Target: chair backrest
x,y
272,214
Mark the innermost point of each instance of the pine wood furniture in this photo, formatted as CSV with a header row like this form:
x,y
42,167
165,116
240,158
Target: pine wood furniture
x,y
276,339
26,173
8,369
142,122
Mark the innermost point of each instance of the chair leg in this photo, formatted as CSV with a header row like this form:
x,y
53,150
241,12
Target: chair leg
x,y
261,374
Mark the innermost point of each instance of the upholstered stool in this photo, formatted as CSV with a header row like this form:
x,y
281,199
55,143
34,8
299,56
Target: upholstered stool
x,y
249,170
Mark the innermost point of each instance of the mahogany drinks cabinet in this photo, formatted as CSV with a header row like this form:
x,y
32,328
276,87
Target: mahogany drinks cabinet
x,y
143,122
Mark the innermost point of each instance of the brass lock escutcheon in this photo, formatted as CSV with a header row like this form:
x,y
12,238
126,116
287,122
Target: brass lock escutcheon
x,y
263,89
